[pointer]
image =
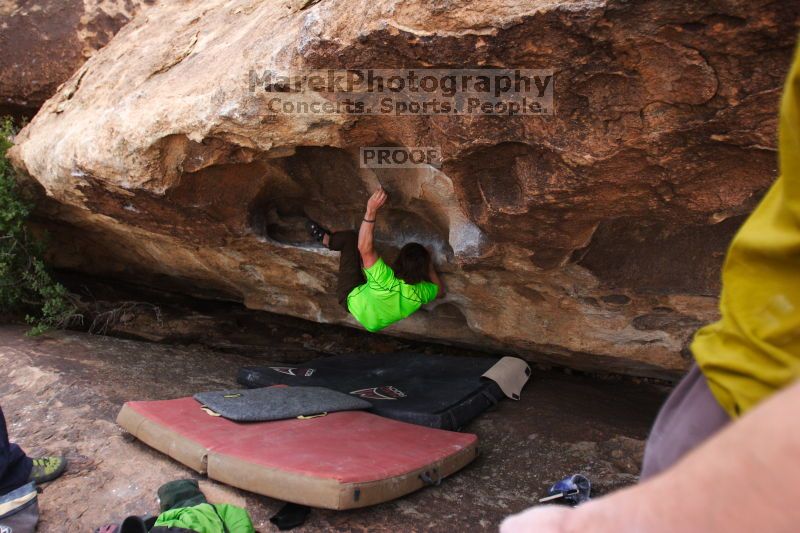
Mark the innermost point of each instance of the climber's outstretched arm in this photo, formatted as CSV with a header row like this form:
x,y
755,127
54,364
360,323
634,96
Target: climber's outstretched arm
x,y
365,241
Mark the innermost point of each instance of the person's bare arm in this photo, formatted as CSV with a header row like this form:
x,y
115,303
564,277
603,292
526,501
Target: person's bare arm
x,y
436,279
365,233
742,479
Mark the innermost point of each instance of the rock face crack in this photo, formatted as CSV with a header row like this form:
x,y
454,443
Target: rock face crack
x,y
177,58
69,91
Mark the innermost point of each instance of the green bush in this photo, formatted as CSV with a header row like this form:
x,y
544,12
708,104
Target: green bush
x,y
25,284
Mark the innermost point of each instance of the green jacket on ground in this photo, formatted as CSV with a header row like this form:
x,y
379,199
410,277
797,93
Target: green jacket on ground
x,y
207,518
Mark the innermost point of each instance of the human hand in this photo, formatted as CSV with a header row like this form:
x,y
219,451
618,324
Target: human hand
x,y
539,519
375,201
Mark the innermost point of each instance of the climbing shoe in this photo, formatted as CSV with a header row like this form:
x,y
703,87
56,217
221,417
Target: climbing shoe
x,y
47,469
316,231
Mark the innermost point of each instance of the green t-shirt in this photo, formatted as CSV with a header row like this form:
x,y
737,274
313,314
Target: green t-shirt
x,y
384,299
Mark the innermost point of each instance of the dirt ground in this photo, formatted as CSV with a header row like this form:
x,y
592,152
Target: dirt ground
x,y
62,391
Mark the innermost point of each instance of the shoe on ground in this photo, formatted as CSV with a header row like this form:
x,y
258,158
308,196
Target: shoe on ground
x,y
47,469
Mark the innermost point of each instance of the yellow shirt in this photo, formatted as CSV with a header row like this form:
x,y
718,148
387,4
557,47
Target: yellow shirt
x,y
754,349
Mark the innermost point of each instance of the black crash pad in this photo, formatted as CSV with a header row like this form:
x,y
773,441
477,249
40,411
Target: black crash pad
x,y
437,391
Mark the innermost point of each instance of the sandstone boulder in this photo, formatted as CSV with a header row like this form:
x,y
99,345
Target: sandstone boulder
x,y
43,43
591,238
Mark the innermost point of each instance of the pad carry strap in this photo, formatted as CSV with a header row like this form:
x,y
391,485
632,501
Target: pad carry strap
x,y
428,478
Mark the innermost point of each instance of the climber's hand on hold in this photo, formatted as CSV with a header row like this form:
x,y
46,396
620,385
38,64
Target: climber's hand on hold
x,y
377,200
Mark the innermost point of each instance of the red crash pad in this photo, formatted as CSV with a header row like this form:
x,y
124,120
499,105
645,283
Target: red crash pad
x,y
339,461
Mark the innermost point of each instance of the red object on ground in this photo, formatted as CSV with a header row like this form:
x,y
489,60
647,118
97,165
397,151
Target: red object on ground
x,y
348,450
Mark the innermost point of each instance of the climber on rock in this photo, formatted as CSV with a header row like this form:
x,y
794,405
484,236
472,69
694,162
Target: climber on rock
x,y
375,293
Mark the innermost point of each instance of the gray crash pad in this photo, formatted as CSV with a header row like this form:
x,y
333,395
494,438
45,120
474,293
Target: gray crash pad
x,y
278,403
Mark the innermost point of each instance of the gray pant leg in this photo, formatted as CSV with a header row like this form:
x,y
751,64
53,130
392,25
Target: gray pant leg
x,y
690,415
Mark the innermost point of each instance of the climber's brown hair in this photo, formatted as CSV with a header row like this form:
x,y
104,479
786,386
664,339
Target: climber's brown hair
x,y
412,263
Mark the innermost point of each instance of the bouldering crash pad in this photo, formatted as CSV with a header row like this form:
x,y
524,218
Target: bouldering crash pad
x,y
437,391
342,460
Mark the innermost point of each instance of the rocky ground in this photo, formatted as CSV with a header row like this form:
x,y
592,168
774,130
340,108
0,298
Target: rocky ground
x,y
61,393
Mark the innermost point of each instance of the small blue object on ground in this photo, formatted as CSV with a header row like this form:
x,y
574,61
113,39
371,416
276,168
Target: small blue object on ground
x,y
572,490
